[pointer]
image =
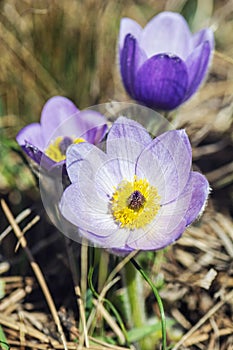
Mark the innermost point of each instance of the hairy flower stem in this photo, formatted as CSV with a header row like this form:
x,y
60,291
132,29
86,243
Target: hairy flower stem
x,y
136,302
159,301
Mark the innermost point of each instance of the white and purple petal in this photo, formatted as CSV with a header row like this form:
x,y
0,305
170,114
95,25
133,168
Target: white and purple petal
x,y
167,32
167,226
83,207
200,191
86,162
166,163
126,140
115,242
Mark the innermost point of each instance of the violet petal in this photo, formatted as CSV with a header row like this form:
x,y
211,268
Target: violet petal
x,y
161,82
54,113
91,126
32,134
39,157
128,26
204,35
197,64
131,57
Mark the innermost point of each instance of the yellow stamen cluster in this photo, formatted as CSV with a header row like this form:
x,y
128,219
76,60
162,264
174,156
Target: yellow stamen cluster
x,y
55,151
135,204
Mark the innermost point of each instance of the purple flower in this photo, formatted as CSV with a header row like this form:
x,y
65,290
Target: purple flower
x,y
163,64
139,194
61,125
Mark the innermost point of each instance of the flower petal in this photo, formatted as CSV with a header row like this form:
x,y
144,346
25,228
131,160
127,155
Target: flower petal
x,y
166,164
86,162
128,26
115,241
32,134
158,235
161,82
55,111
200,192
131,57
92,126
167,32
83,207
202,36
197,65
168,225
81,153
126,140
39,157
127,128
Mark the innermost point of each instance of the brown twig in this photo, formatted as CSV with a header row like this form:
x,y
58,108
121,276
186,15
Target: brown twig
x,y
210,313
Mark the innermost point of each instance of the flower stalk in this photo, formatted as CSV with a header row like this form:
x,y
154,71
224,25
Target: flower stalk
x,y
158,299
135,299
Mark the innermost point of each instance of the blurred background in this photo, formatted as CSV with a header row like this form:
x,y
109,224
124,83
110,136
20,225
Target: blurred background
x,y
69,47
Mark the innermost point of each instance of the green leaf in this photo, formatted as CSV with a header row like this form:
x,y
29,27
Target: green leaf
x,y
137,334
3,341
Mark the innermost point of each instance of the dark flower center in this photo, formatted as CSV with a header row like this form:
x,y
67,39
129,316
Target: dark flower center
x,y
136,200
64,144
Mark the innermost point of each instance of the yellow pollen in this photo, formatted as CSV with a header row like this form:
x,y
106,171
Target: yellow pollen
x,y
57,149
135,204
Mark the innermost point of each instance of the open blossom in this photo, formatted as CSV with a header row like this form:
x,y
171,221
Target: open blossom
x,y
163,64
61,125
140,194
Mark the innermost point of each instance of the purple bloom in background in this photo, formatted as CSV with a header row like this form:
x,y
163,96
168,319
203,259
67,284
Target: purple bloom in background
x,y
141,194
163,64
61,125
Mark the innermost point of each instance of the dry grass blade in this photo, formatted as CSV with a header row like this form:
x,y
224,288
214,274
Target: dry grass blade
x,y
82,316
18,219
11,323
36,270
71,346
208,315
111,322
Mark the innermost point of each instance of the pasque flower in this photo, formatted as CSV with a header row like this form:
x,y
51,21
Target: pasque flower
x,y
139,194
61,125
163,64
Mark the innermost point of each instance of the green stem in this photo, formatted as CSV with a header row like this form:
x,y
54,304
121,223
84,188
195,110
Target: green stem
x,y
159,301
136,302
